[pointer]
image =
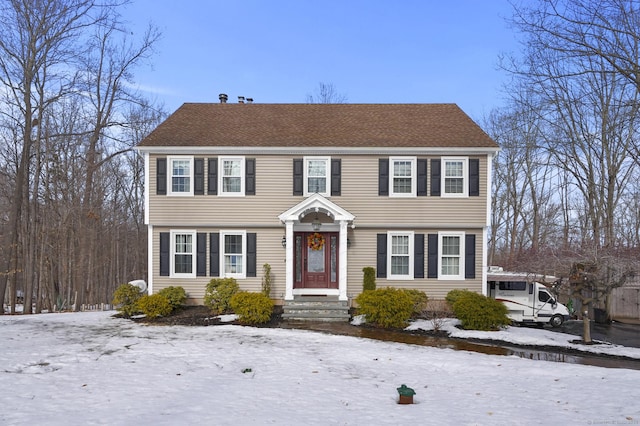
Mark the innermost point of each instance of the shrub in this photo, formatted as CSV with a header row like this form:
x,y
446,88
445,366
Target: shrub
x,y
218,294
386,307
478,312
453,295
155,305
266,279
176,296
252,308
126,297
369,280
420,300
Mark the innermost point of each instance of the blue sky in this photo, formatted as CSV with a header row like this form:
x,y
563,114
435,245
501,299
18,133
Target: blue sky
x,y
407,51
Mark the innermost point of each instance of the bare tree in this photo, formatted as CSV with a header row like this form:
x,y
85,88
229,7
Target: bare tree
x,y
326,93
66,120
579,74
524,211
36,41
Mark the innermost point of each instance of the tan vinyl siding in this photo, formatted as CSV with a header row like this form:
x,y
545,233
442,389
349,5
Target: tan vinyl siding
x,y
362,253
274,188
269,250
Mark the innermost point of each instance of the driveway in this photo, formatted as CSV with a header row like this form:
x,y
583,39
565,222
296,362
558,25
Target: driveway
x,y
617,333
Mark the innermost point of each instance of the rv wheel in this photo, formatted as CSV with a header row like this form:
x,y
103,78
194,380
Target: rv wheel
x,y
556,321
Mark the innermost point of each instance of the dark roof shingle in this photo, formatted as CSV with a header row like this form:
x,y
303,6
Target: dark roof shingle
x,y
319,125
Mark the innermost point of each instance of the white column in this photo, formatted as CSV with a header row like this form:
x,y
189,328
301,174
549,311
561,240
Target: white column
x,y
342,262
288,293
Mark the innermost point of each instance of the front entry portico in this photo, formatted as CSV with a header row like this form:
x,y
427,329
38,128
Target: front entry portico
x,y
316,248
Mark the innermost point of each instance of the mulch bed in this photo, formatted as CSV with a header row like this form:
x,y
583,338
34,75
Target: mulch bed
x,y
200,316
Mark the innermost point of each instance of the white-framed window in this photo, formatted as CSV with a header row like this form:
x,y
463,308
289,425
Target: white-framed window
x,y
402,179
231,181
183,254
317,176
451,259
454,177
233,254
400,255
180,176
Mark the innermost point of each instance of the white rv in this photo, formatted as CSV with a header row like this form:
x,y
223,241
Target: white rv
x,y
526,299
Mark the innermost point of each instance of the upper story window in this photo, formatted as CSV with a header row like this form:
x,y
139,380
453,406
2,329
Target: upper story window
x,y
451,249
403,177
183,253
233,253
231,176
317,175
181,175
454,182
400,249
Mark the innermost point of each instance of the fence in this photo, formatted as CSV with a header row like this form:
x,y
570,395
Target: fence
x,y
92,307
625,303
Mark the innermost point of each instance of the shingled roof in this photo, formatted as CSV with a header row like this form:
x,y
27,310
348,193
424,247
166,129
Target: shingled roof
x,y
319,125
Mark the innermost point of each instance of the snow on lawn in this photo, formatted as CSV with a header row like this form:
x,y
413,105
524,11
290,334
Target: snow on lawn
x,y
93,369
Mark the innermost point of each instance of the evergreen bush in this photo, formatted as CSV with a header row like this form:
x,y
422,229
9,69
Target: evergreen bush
x,y
369,280
126,298
478,312
155,305
218,294
176,295
252,308
386,307
453,295
266,279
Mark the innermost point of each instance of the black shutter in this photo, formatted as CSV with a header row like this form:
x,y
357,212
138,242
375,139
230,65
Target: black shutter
x,y
250,176
198,176
383,176
201,254
214,254
251,255
422,177
212,177
470,256
161,176
298,175
165,249
474,177
435,177
418,256
336,177
432,250
381,260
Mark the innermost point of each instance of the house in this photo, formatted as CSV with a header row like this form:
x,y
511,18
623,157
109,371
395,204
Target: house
x,y
318,192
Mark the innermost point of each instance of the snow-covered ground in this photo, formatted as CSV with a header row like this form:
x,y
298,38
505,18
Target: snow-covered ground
x,y
91,368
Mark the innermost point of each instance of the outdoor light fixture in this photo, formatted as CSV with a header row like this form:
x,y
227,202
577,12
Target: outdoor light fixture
x,y
316,224
284,241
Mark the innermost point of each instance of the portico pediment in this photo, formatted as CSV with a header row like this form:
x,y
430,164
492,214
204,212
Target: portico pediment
x,y
316,203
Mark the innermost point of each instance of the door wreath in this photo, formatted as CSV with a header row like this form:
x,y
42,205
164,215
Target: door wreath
x,y
315,241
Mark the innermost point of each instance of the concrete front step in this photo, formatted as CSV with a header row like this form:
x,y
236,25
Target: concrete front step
x,y
315,309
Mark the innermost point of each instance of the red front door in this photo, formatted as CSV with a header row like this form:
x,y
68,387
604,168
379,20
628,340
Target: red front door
x,y
316,260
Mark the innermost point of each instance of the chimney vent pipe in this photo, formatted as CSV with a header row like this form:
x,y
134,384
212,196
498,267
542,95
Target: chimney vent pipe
x,y
223,98
240,99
